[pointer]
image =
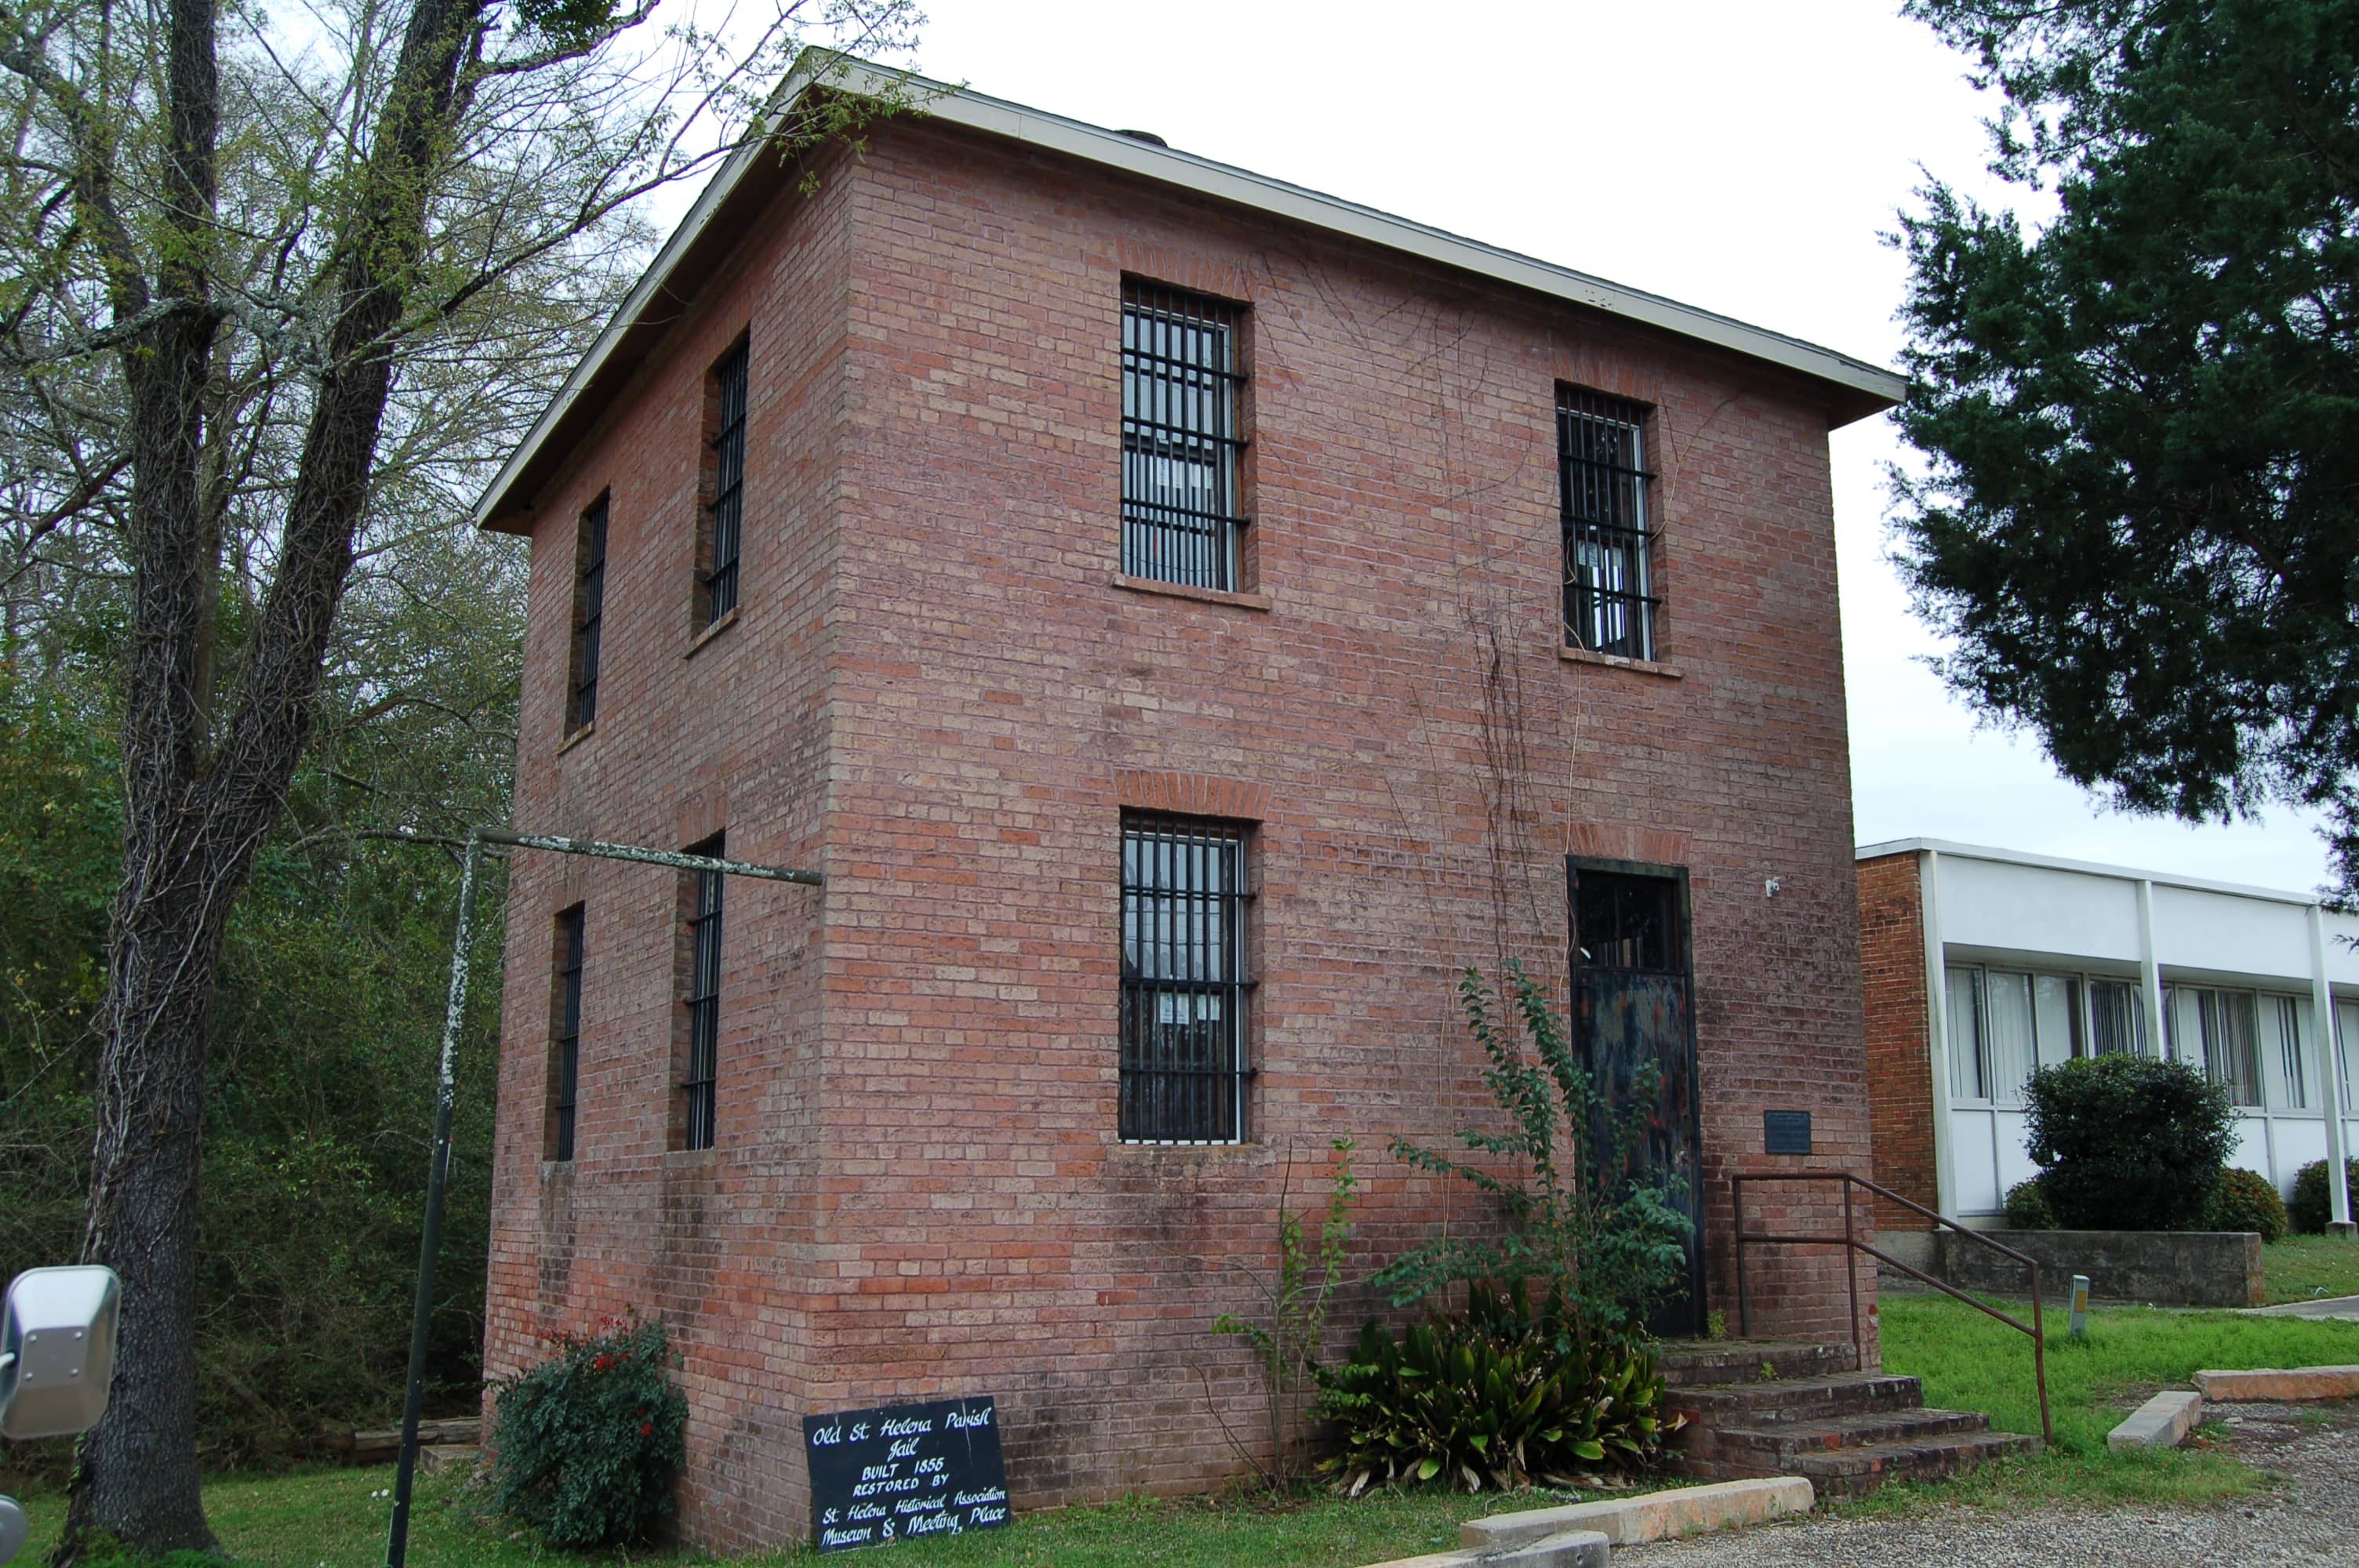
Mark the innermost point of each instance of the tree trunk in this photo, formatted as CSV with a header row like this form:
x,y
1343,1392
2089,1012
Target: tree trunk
x,y
137,1474
193,821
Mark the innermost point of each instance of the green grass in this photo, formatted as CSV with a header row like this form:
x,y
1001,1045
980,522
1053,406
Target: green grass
x,y
2303,1268
1969,1362
327,1519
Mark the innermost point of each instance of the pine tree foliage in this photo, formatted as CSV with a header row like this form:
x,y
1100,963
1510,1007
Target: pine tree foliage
x,y
2138,520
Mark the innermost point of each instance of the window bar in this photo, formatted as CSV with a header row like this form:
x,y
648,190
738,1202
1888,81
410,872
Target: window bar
x,y
1600,448
1180,446
703,1004
569,1031
590,597
728,486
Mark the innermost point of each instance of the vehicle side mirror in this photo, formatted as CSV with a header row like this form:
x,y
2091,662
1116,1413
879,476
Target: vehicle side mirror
x,y
57,1350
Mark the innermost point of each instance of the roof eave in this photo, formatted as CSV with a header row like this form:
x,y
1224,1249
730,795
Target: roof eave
x,y
1855,388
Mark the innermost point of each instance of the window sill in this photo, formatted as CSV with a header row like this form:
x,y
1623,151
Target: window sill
x,y
577,737
1616,662
690,1158
1200,595
710,633
1249,1151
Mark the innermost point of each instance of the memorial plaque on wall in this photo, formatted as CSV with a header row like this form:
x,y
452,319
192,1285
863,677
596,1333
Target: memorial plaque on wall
x,y
898,1471
1786,1131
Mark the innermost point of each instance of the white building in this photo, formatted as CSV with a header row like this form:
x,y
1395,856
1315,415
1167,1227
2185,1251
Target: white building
x,y
2034,960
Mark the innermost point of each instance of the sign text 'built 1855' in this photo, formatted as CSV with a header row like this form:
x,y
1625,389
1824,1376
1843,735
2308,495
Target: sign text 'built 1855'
x,y
899,1471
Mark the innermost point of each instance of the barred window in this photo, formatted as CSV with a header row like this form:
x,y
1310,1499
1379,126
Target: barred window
x,y
728,504
565,1092
699,1084
589,612
1183,980
1609,603
1180,445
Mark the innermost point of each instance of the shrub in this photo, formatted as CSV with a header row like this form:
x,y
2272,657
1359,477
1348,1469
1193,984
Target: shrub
x,y
587,1443
2310,1207
1593,1229
1497,1395
2129,1143
2246,1200
2027,1208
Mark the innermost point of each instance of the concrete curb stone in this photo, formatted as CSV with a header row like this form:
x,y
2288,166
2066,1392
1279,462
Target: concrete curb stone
x,y
2274,1385
1652,1516
1566,1549
2163,1421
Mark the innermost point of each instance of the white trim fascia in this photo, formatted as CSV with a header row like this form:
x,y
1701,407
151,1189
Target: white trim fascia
x,y
1224,182
2087,867
2157,1026
2322,1001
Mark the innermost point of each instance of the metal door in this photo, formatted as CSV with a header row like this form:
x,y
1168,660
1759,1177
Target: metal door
x,y
1632,987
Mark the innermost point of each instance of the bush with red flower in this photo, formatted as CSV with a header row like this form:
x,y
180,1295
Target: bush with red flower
x,y
587,1444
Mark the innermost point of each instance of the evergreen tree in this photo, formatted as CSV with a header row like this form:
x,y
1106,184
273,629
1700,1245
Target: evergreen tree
x,y
2139,517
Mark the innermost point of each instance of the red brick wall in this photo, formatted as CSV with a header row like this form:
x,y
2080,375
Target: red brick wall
x,y
936,693
1900,1038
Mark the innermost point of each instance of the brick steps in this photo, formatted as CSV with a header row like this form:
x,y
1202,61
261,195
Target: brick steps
x,y
1741,1360
1796,1398
1785,1439
1848,1432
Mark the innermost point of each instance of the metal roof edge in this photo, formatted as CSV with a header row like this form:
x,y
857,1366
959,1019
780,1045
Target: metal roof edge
x,y
2086,868
1872,384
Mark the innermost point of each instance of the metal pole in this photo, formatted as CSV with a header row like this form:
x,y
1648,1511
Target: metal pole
x,y
2039,1361
438,1170
1737,1202
1851,1277
671,858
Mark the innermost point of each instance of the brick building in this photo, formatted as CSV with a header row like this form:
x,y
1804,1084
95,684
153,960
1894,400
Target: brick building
x,y
1187,618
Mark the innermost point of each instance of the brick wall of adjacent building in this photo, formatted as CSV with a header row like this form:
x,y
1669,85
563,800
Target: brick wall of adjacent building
x,y
937,692
1899,1039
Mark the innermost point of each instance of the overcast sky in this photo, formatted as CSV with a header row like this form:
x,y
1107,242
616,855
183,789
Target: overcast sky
x,y
1736,154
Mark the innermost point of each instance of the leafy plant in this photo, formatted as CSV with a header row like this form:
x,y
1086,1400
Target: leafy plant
x,y
2129,1143
2310,1207
1289,1344
1605,1238
2027,1208
2246,1200
586,1444
1498,1395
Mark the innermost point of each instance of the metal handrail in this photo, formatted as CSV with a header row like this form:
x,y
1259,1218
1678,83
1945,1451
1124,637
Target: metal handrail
x,y
1852,1246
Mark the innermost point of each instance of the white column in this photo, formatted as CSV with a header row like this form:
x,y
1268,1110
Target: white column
x,y
2322,1005
1937,1029
2151,973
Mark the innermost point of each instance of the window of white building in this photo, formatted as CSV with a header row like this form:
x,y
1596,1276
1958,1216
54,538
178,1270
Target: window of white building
x,y
2005,1022
2218,1031
2285,1046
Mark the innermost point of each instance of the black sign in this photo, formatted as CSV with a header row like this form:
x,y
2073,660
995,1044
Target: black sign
x,y
1786,1131
886,1475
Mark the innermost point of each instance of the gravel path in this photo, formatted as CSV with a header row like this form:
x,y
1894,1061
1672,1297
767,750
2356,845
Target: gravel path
x,y
2311,1519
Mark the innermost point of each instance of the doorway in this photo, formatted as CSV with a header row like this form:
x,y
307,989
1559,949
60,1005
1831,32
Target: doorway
x,y
1633,984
